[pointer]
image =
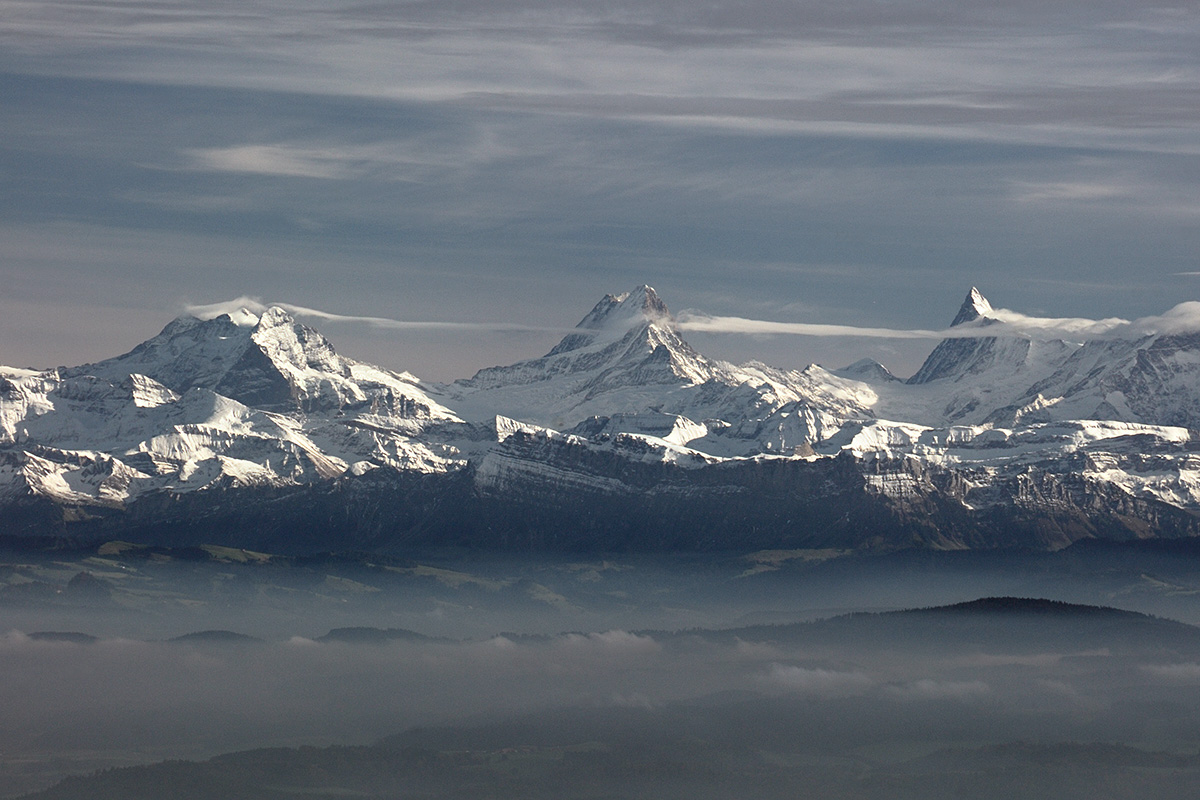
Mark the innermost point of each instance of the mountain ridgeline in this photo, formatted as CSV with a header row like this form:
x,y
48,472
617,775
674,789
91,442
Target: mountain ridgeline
x,y
250,430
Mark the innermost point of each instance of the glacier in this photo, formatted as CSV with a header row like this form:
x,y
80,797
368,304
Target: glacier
x,y
996,441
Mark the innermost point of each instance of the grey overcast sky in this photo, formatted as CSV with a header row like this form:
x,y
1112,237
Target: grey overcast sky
x,y
856,163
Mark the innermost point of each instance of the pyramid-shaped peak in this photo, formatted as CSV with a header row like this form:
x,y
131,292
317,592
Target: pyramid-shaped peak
x,y
866,369
974,307
616,316
625,310
647,300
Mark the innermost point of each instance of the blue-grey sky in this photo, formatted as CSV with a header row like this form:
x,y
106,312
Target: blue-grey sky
x,y
510,161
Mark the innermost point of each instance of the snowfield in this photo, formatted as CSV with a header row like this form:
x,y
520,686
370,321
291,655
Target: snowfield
x,y
262,400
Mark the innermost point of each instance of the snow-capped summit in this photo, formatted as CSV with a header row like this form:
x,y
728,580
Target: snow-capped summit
x,y
268,361
868,370
974,307
625,340
627,360
956,358
250,363
993,420
248,399
983,365
625,310
616,315
1149,379
242,317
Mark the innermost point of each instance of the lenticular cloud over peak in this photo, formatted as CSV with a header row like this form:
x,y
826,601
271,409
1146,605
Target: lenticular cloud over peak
x,y
244,308
644,304
1182,318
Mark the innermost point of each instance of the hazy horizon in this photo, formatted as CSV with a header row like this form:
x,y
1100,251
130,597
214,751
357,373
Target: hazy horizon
x,y
558,652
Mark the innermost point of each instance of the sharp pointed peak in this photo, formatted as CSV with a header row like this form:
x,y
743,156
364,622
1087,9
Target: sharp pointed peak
x,y
643,296
615,316
974,307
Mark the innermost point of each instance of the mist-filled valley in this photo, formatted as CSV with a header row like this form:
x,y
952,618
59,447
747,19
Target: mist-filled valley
x,y
455,674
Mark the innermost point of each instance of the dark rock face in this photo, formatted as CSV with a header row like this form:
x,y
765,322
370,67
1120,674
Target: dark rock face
x,y
601,501
255,381
258,434
955,358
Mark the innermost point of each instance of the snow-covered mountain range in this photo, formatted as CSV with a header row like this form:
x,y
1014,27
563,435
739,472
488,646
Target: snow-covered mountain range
x,y
997,440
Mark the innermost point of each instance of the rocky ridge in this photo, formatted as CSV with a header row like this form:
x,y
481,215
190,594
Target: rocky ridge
x,y
622,428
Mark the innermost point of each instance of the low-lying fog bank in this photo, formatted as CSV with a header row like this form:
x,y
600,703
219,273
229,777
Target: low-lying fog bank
x,y
874,691
122,590
130,656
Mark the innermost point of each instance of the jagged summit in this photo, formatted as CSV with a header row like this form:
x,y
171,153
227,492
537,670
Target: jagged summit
x,y
956,358
626,340
263,364
268,361
1085,438
628,366
616,315
625,310
974,307
247,318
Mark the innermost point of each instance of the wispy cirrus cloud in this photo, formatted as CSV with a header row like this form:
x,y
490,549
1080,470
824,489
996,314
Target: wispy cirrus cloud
x,y
400,157
491,154
1186,672
1069,191
704,323
931,689
274,160
1007,73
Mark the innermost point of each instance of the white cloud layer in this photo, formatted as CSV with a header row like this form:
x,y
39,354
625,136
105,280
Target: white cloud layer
x,y
817,681
246,310
1183,318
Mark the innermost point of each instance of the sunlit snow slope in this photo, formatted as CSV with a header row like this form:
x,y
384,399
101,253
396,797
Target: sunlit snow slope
x,y
990,424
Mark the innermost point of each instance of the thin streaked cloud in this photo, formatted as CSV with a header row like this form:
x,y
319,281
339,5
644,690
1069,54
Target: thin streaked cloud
x,y
518,159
